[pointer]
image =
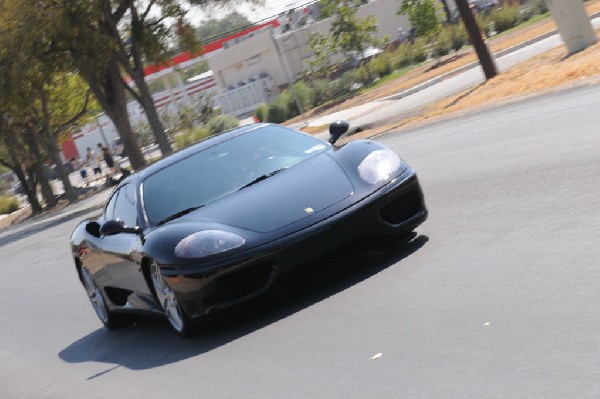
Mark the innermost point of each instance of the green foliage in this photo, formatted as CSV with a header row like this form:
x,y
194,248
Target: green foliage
x,y
321,91
143,134
278,112
485,24
381,65
212,29
442,44
262,112
8,205
418,51
458,36
422,15
505,18
322,48
191,136
349,35
305,95
222,123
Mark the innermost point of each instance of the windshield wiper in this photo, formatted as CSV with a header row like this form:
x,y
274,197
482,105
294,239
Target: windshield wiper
x,y
178,214
261,178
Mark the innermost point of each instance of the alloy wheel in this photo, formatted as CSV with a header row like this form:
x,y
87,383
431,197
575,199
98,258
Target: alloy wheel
x,y
167,299
95,295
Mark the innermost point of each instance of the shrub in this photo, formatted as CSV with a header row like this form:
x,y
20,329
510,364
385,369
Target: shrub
x,y
321,91
505,18
401,57
8,205
485,23
278,111
458,36
190,136
442,44
262,112
221,123
365,75
381,65
418,51
305,94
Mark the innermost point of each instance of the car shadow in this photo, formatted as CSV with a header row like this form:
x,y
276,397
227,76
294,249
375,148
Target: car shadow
x,y
152,343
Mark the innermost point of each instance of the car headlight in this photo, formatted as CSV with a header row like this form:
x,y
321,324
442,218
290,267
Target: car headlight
x,y
379,165
208,242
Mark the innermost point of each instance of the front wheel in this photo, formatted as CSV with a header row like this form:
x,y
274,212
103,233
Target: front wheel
x,y
110,319
168,302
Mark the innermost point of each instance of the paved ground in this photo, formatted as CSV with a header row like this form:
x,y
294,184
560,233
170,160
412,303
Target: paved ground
x,y
497,297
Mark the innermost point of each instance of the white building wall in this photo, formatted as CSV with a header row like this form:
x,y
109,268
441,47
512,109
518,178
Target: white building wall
x,y
254,55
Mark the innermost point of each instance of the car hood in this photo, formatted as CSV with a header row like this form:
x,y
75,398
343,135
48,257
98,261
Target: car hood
x,y
300,192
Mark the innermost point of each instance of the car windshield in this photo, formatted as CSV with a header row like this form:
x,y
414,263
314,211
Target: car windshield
x,y
224,168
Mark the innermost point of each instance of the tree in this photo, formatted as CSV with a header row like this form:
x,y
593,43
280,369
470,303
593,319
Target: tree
x,y
349,34
422,14
213,28
36,105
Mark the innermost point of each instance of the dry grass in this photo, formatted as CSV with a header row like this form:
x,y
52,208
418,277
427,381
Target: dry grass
x,y
424,73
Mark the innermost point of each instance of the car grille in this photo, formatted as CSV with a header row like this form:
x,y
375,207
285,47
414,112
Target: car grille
x,y
403,207
240,283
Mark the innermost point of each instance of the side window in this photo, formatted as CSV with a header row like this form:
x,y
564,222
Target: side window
x,y
125,208
110,207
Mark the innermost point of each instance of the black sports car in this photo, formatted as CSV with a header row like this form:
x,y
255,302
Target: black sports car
x,y
219,222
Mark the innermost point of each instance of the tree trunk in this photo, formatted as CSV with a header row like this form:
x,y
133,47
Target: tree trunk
x,y
447,11
38,169
51,147
147,102
31,195
145,97
110,93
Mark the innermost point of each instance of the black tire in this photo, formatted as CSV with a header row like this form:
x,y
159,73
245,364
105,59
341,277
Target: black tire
x,y
110,319
169,303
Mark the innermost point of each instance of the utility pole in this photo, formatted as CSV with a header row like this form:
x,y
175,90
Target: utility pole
x,y
485,58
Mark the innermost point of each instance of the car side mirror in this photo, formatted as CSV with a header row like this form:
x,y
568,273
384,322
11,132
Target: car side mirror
x,y
112,227
93,228
336,129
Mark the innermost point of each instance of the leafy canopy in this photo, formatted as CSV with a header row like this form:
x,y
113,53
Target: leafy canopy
x,y
422,15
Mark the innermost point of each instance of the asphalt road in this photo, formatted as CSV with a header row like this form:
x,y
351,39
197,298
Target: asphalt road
x,y
497,296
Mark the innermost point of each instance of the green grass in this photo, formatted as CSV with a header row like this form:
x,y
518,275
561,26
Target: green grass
x,y
530,21
8,205
394,75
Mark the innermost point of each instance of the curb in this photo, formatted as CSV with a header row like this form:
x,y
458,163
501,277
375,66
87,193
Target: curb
x,y
472,65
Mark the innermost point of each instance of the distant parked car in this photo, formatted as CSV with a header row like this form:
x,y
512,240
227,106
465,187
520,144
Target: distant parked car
x,y
117,147
484,6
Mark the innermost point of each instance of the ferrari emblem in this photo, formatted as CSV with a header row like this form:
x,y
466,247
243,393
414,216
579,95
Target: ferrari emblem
x,y
309,210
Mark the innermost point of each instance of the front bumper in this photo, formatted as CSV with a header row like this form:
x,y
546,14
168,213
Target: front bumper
x,y
396,208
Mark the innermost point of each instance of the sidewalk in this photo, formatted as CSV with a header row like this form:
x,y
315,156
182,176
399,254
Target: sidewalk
x,y
407,103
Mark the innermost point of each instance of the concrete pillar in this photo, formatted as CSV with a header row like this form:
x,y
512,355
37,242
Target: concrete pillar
x,y
573,24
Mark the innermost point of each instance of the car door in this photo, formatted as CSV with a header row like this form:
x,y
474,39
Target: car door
x,y
120,252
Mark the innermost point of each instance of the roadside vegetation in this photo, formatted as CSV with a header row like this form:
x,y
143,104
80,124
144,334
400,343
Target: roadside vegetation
x,y
8,205
328,81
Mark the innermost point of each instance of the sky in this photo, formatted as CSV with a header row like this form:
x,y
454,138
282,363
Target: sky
x,y
253,13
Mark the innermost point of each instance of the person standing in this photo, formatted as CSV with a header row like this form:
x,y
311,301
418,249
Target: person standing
x,y
110,162
93,162
79,165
